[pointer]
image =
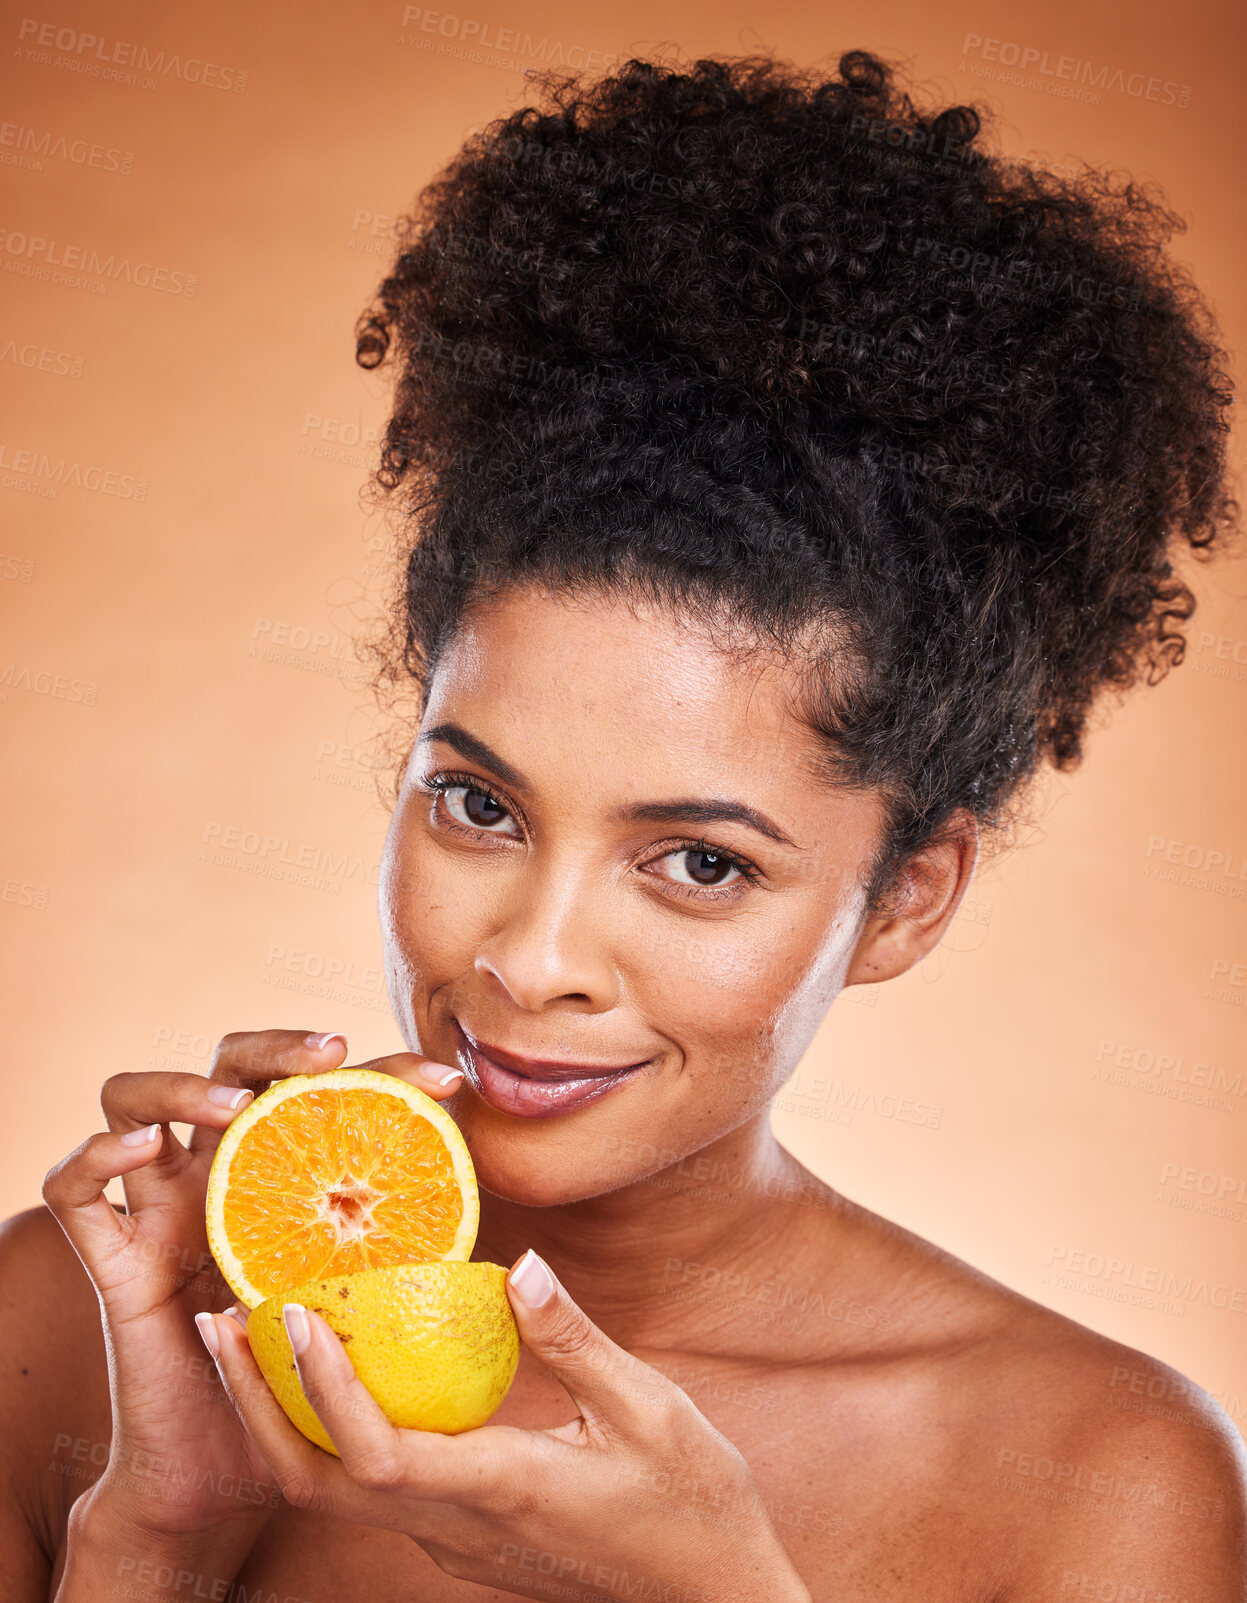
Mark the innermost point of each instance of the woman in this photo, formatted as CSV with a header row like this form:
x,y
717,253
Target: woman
x,y
787,479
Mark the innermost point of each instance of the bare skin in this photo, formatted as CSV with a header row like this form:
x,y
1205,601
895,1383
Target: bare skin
x,y
871,1418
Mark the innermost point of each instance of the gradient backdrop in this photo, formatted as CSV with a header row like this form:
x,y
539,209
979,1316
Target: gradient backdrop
x,y
195,212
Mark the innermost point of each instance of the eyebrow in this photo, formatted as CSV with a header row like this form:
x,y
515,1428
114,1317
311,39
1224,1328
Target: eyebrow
x,y
475,751
682,811
704,812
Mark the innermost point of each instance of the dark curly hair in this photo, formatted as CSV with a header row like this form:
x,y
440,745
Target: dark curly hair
x,y
794,355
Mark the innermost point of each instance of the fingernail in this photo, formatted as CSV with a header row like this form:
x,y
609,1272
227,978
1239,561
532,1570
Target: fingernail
x,y
140,1138
533,1282
318,1043
228,1096
205,1327
297,1326
450,1076
239,1315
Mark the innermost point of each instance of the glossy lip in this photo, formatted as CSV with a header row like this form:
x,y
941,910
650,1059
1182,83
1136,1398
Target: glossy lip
x,y
535,1088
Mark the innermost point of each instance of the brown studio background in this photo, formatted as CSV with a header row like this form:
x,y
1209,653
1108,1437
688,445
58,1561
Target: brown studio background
x,y
1064,1076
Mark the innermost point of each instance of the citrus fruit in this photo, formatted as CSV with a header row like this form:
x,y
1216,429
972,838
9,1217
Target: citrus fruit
x,y
326,1174
436,1344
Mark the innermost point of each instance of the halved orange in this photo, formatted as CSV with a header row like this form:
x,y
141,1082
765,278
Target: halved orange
x,y
326,1174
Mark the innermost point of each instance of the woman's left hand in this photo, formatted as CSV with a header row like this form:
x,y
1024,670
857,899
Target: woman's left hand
x,y
640,1489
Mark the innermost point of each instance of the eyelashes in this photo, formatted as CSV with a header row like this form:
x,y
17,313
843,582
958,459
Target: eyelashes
x,y
742,865
440,784
437,785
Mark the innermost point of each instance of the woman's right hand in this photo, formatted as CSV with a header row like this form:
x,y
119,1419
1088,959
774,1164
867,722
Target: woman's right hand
x,y
181,1468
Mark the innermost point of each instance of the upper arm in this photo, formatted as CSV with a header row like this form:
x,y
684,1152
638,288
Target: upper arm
x,y
53,1396
1151,1508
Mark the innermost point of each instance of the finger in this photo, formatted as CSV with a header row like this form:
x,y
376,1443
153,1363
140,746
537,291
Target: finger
x,y
430,1466
74,1191
133,1101
438,1080
366,1441
307,1477
253,1059
609,1386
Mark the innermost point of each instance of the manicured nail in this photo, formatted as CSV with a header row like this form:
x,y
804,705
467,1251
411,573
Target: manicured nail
x,y
297,1326
229,1096
205,1327
140,1138
533,1282
450,1076
239,1315
318,1043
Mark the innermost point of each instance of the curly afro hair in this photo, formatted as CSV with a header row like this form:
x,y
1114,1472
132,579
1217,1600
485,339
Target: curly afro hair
x,y
788,350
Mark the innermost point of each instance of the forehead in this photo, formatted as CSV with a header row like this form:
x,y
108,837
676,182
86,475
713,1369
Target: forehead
x,y
542,678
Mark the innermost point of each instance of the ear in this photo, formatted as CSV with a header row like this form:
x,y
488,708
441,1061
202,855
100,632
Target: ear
x,y
929,888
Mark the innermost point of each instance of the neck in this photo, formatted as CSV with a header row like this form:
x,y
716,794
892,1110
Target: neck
x,y
629,1257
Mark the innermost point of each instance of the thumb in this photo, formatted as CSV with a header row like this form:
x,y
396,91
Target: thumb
x,y
601,1377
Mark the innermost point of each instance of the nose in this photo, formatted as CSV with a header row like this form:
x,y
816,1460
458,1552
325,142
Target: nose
x,y
549,949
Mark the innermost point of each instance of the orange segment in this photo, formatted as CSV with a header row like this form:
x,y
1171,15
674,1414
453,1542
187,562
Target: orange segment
x,y
332,1173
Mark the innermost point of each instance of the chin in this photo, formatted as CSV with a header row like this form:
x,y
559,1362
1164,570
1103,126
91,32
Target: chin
x,y
539,1163
536,1183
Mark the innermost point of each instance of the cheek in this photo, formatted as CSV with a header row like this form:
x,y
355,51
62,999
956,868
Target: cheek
x,y
744,997
430,925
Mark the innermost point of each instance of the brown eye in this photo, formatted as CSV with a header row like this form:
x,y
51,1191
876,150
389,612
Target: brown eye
x,y
477,809
708,868
695,867
482,809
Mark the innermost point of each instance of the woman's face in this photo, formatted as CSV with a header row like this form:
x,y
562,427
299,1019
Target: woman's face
x,y
612,866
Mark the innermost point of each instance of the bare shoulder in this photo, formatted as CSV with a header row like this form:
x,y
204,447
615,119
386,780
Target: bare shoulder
x,y
54,1411
1112,1474
48,1306
1051,1461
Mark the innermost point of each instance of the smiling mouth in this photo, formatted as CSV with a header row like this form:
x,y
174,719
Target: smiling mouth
x,y
534,1088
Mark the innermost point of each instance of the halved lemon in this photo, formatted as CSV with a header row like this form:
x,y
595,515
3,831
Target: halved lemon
x,y
436,1344
328,1174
